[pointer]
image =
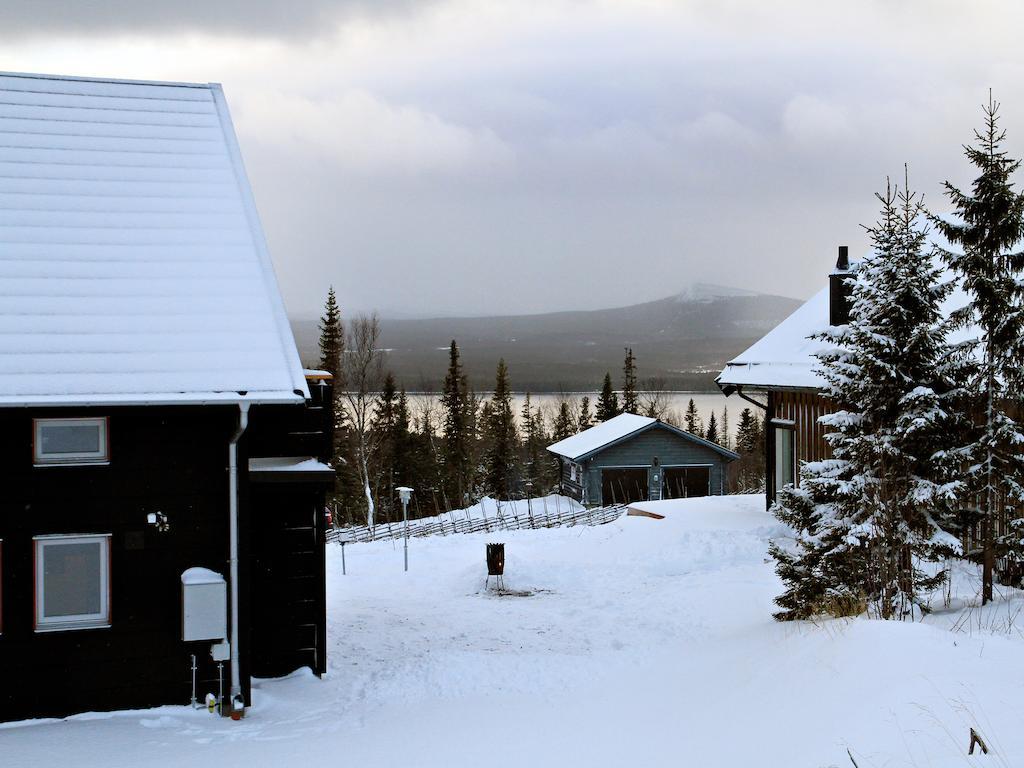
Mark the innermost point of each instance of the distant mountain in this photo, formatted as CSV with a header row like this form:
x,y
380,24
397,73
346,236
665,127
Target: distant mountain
x,y
682,340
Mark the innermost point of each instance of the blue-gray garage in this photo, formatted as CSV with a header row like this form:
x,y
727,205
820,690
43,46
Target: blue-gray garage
x,y
636,458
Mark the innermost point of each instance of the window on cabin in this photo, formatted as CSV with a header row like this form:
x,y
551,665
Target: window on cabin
x,y
785,456
72,582
70,441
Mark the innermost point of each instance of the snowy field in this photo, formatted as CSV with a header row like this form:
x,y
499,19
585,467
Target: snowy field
x,y
641,643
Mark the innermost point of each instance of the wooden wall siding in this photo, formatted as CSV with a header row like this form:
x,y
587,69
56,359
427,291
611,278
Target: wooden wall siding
x,y
802,407
289,615
162,459
172,460
669,448
569,487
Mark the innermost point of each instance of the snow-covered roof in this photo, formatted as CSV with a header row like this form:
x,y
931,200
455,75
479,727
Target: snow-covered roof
x,y
784,357
133,267
625,425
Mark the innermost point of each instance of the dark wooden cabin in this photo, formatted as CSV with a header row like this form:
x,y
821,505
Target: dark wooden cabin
x,y
635,458
162,453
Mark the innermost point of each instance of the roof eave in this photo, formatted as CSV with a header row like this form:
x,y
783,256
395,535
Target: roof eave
x,y
164,398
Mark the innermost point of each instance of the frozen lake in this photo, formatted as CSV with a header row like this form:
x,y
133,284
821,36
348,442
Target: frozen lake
x,y
676,402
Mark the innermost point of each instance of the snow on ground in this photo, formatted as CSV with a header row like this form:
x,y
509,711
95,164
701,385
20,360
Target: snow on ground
x,y
643,643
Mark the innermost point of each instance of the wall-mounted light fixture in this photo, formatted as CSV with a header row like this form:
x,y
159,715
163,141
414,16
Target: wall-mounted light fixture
x,y
159,521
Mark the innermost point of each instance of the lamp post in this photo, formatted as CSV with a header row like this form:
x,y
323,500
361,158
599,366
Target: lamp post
x,y
404,494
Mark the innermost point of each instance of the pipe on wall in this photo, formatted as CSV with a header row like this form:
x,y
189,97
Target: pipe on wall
x,y
243,422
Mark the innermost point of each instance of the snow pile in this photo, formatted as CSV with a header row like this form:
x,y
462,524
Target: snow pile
x,y
641,642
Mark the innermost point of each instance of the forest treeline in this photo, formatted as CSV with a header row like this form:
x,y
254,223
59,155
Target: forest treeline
x,y
456,445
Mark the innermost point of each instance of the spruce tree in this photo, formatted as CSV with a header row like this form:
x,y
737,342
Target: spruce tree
x,y
726,439
692,421
332,337
988,226
500,426
457,454
712,433
608,401
564,425
586,419
867,518
750,445
533,467
332,344
383,427
747,437
630,403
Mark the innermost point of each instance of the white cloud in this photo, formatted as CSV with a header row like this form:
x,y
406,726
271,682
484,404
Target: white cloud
x,y
360,133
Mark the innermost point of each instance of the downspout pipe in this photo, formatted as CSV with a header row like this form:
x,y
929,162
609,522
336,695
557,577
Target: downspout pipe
x,y
243,422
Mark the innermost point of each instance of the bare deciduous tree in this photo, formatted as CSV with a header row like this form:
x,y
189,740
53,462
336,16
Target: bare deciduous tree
x,y
654,400
362,371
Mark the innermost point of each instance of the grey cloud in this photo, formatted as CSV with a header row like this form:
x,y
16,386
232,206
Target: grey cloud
x,y
263,18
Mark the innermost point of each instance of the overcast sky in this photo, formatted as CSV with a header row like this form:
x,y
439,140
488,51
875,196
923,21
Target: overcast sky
x,y
449,156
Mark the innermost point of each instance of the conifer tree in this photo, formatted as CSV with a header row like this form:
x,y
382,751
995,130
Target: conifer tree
x,y
747,433
691,419
383,426
533,468
500,426
750,445
608,401
457,454
630,403
586,419
712,433
988,229
867,518
332,344
564,425
726,439
332,337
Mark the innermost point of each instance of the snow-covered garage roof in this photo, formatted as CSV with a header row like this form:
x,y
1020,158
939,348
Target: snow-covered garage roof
x,y
625,425
133,267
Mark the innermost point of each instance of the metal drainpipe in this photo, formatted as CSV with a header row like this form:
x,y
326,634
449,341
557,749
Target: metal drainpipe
x,y
243,422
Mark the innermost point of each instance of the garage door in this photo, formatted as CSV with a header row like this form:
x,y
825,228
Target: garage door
x,y
623,486
683,482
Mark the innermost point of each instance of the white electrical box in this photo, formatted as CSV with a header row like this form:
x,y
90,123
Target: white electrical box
x,y
204,605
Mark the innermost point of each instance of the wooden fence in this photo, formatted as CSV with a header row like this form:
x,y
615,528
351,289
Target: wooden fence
x,y
456,522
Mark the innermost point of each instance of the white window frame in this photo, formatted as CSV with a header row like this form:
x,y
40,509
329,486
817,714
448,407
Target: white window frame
x,y
98,620
100,456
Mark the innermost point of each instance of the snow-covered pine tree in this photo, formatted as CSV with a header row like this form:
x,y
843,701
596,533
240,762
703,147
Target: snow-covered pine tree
x,y
500,460
868,518
630,403
692,422
608,401
712,433
988,229
586,419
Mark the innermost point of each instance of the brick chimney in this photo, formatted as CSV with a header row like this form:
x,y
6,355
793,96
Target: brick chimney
x,y
839,289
